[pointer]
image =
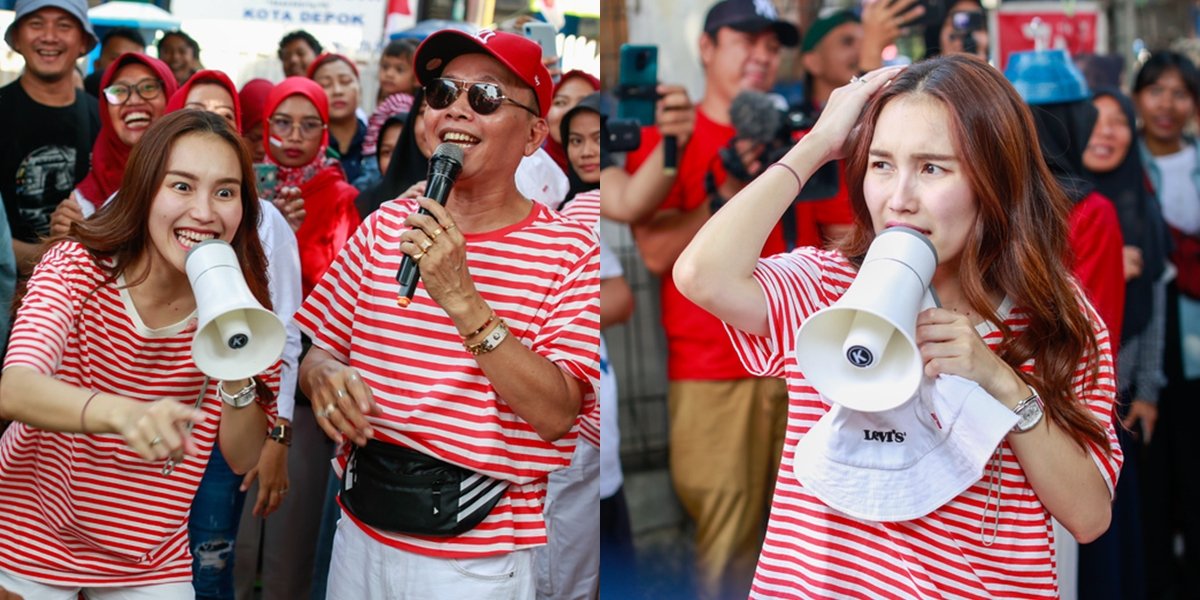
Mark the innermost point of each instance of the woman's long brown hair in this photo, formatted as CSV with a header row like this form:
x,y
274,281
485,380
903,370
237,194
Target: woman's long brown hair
x,y
1019,244
120,233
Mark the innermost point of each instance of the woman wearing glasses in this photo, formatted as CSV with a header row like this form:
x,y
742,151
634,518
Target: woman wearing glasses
x,y
135,89
297,138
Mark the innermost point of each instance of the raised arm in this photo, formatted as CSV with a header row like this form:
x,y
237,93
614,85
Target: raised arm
x,y
716,271
631,198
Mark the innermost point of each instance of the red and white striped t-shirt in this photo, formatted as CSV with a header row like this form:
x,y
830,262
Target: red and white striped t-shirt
x,y
812,551
85,509
541,276
585,208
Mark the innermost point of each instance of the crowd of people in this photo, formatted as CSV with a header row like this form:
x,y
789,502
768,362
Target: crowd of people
x,y
1066,289
422,451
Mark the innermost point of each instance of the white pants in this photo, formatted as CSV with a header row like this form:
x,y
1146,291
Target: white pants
x,y
32,590
364,569
568,567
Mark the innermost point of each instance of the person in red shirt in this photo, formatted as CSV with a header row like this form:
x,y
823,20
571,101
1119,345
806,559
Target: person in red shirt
x,y
726,427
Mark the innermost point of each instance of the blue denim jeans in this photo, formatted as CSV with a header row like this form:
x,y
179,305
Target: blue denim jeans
x,y
213,527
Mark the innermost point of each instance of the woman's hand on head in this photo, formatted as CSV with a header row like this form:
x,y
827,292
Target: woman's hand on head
x,y
159,429
950,345
841,114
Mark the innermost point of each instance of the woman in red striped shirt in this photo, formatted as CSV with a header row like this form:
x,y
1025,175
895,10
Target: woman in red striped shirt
x,y
942,147
100,377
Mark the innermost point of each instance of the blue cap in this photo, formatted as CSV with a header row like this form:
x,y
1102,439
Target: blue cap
x,y
1046,77
75,8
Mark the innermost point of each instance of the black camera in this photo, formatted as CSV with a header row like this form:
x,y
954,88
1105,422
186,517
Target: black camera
x,y
621,135
764,119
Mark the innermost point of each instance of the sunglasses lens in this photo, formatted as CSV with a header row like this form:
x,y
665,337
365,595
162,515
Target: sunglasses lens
x,y
484,98
441,93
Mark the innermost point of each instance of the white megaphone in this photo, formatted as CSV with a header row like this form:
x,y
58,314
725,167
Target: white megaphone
x,y
236,337
861,352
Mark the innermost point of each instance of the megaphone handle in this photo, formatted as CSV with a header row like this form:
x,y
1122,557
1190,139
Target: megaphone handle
x,y
173,460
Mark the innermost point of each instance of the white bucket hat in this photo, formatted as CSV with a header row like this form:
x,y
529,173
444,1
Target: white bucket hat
x,y
906,462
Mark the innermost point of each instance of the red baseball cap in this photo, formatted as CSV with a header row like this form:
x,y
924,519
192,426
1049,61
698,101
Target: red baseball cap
x,y
521,55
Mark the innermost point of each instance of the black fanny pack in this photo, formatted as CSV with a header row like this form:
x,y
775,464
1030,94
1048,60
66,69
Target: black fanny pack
x,y
400,490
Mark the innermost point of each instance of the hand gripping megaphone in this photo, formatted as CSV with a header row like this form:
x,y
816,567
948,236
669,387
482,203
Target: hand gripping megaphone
x,y
236,337
861,352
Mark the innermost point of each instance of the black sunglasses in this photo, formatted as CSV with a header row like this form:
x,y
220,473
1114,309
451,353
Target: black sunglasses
x,y
484,98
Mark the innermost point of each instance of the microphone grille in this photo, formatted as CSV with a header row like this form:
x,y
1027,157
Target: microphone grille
x,y
449,151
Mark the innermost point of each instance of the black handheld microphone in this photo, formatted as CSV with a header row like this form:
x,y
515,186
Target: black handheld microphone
x,y
444,167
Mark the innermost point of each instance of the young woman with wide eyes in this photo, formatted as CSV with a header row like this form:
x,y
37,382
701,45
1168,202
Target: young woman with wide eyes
x,y
114,423
942,147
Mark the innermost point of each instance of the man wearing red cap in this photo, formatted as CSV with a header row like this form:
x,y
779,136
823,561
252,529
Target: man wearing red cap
x,y
452,411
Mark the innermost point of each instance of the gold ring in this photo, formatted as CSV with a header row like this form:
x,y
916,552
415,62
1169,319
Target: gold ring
x,y
436,232
418,256
325,412
451,226
425,245
340,393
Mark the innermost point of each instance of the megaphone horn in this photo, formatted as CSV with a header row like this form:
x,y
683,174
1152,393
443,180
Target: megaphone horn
x,y
236,337
861,352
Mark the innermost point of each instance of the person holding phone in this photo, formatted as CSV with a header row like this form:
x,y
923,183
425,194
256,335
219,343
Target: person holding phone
x,y
297,136
723,487
962,27
942,146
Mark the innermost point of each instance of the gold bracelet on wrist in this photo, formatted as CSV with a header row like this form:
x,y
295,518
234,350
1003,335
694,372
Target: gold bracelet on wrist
x,y
491,319
491,341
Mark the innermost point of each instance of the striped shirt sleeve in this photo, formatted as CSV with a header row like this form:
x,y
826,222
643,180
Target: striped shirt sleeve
x,y
571,336
794,286
1099,392
48,310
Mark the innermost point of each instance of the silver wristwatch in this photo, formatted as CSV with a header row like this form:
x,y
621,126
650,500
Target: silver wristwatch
x,y
1029,412
241,398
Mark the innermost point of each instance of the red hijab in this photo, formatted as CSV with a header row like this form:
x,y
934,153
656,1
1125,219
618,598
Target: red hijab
x,y
297,86
328,199
553,148
179,98
109,154
253,99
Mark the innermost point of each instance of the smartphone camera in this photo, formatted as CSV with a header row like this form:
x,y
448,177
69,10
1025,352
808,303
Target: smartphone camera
x,y
622,135
967,20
